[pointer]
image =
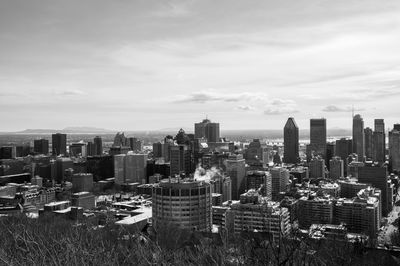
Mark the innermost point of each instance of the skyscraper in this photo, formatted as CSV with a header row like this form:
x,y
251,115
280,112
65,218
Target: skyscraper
x,y
358,137
180,160
336,169
368,143
98,145
41,146
377,176
291,142
344,147
379,141
207,129
394,148
59,144
318,137
236,169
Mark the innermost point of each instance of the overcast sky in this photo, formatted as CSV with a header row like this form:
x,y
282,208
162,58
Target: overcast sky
x,y
164,64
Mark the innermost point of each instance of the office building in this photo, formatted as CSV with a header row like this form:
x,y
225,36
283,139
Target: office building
x,y
299,173
343,149
135,168
62,165
222,184
180,161
280,182
236,169
254,213
59,144
394,148
90,149
82,182
377,176
254,152
358,137
8,152
379,141
336,168
135,144
330,152
184,203
41,146
77,149
291,142
157,150
369,142
207,129
130,168
318,137
85,200
317,167
98,146
350,187
260,181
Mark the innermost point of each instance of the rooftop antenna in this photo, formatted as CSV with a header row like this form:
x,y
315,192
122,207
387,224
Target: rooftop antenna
x,y
352,110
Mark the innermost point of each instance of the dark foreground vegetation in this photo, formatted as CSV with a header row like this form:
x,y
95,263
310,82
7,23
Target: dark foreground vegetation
x,y
55,241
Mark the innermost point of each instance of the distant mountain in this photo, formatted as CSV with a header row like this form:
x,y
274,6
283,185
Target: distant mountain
x,y
67,130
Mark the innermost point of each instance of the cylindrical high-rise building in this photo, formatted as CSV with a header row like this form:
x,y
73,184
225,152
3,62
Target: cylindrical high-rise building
x,y
185,203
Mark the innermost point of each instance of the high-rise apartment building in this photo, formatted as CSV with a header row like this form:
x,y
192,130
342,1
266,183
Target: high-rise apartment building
x,y
236,169
358,137
291,142
184,203
207,129
255,213
59,144
280,181
318,137
360,214
315,211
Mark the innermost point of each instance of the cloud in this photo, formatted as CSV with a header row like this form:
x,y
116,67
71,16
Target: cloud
x,y
71,92
212,96
245,107
281,106
336,109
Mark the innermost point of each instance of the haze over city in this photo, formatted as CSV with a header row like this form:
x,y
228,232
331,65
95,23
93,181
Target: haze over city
x,y
148,65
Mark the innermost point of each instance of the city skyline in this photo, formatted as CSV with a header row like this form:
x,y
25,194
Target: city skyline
x,y
149,65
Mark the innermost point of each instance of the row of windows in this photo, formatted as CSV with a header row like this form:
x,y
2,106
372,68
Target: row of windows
x,y
182,192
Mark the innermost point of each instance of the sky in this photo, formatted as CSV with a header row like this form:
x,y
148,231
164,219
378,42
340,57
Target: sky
x,y
150,65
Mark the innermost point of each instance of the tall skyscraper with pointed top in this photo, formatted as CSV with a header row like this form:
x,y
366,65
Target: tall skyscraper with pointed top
x,y
358,137
291,142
